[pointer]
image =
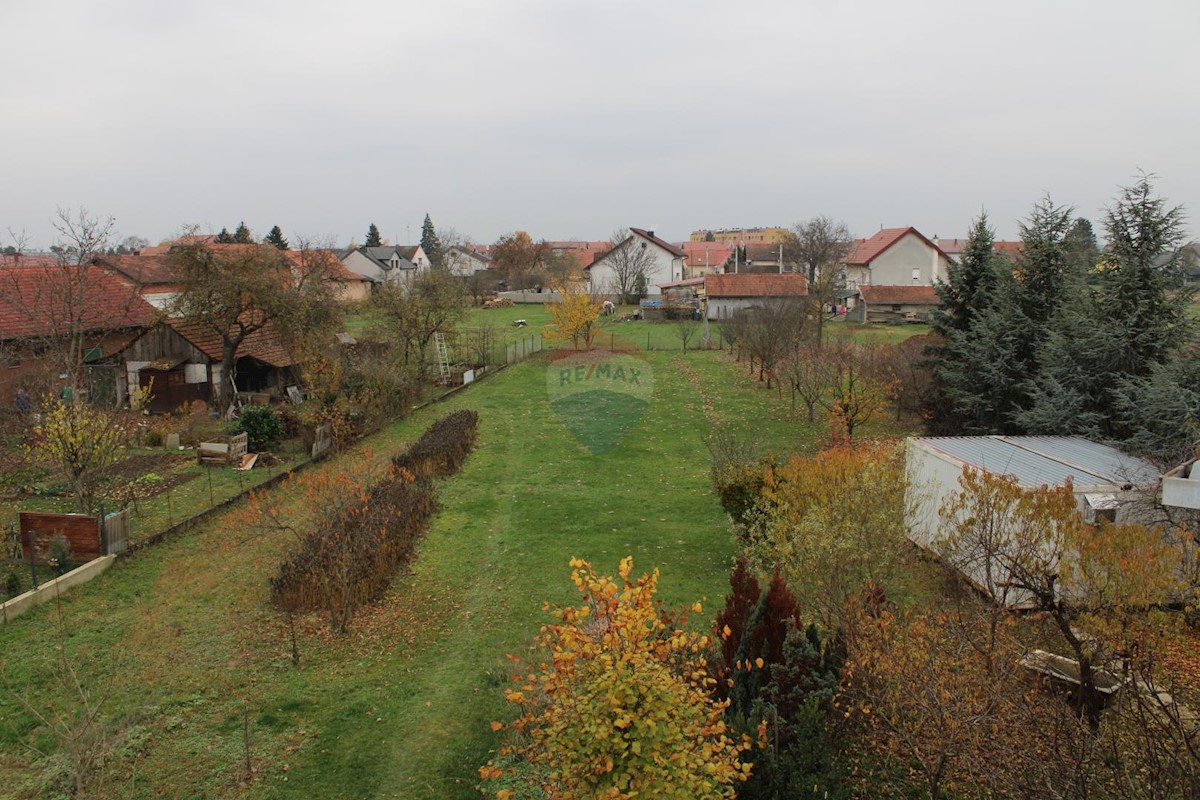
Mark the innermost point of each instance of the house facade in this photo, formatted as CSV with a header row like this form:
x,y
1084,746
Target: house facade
x,y
390,264
895,257
665,263
465,262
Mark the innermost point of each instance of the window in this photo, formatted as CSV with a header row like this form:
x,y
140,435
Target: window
x,y
896,307
916,276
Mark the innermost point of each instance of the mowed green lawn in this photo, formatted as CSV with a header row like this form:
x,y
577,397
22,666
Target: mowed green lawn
x,y
181,641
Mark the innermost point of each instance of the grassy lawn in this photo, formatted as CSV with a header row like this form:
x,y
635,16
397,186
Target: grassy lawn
x,y
182,640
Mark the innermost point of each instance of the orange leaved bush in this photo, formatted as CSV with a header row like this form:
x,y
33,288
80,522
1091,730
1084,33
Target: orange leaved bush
x,y
623,708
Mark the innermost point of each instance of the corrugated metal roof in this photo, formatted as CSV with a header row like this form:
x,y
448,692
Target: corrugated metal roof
x,y
1046,460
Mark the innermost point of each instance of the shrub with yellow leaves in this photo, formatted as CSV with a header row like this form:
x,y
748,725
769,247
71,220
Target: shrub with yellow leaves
x,y
623,707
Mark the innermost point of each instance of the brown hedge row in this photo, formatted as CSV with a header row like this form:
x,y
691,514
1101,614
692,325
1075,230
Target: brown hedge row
x,y
357,548
443,448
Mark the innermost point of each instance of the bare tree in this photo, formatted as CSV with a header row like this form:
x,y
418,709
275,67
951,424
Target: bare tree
x,y
771,331
806,376
410,317
818,245
235,291
687,326
630,261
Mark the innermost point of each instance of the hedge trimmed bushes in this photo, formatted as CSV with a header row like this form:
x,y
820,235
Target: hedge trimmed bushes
x,y
443,448
357,547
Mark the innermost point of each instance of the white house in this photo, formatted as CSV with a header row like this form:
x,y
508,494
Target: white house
x,y
389,264
1107,484
895,257
465,262
664,264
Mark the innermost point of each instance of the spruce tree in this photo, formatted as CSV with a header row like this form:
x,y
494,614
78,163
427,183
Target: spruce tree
x,y
275,237
373,237
970,285
979,367
243,235
430,243
1042,267
224,237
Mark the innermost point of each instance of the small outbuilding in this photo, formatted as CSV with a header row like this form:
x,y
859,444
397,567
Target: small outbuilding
x,y
1107,484
893,304
726,295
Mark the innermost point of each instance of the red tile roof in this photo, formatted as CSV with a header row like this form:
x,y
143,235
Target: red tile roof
x,y
263,345
900,295
29,260
707,253
788,284
53,300
586,251
143,270
864,251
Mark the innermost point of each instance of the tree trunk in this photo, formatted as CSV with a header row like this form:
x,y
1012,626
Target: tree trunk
x,y
225,389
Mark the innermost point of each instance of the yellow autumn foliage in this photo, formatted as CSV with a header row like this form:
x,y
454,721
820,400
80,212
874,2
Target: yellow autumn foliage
x,y
623,707
576,318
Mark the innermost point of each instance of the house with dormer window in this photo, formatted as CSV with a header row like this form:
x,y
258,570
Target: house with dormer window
x,y
390,264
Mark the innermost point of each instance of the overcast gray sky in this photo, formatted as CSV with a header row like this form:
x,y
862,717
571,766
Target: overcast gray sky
x,y
569,118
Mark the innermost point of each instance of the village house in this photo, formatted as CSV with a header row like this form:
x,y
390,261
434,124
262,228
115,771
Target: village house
x,y
665,263
953,248
741,235
706,258
465,262
895,257
151,274
390,264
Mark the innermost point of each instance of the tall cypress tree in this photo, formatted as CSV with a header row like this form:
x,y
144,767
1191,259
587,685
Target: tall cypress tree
x,y
430,243
373,237
275,238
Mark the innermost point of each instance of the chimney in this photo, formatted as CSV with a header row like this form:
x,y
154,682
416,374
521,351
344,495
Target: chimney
x,y
650,234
